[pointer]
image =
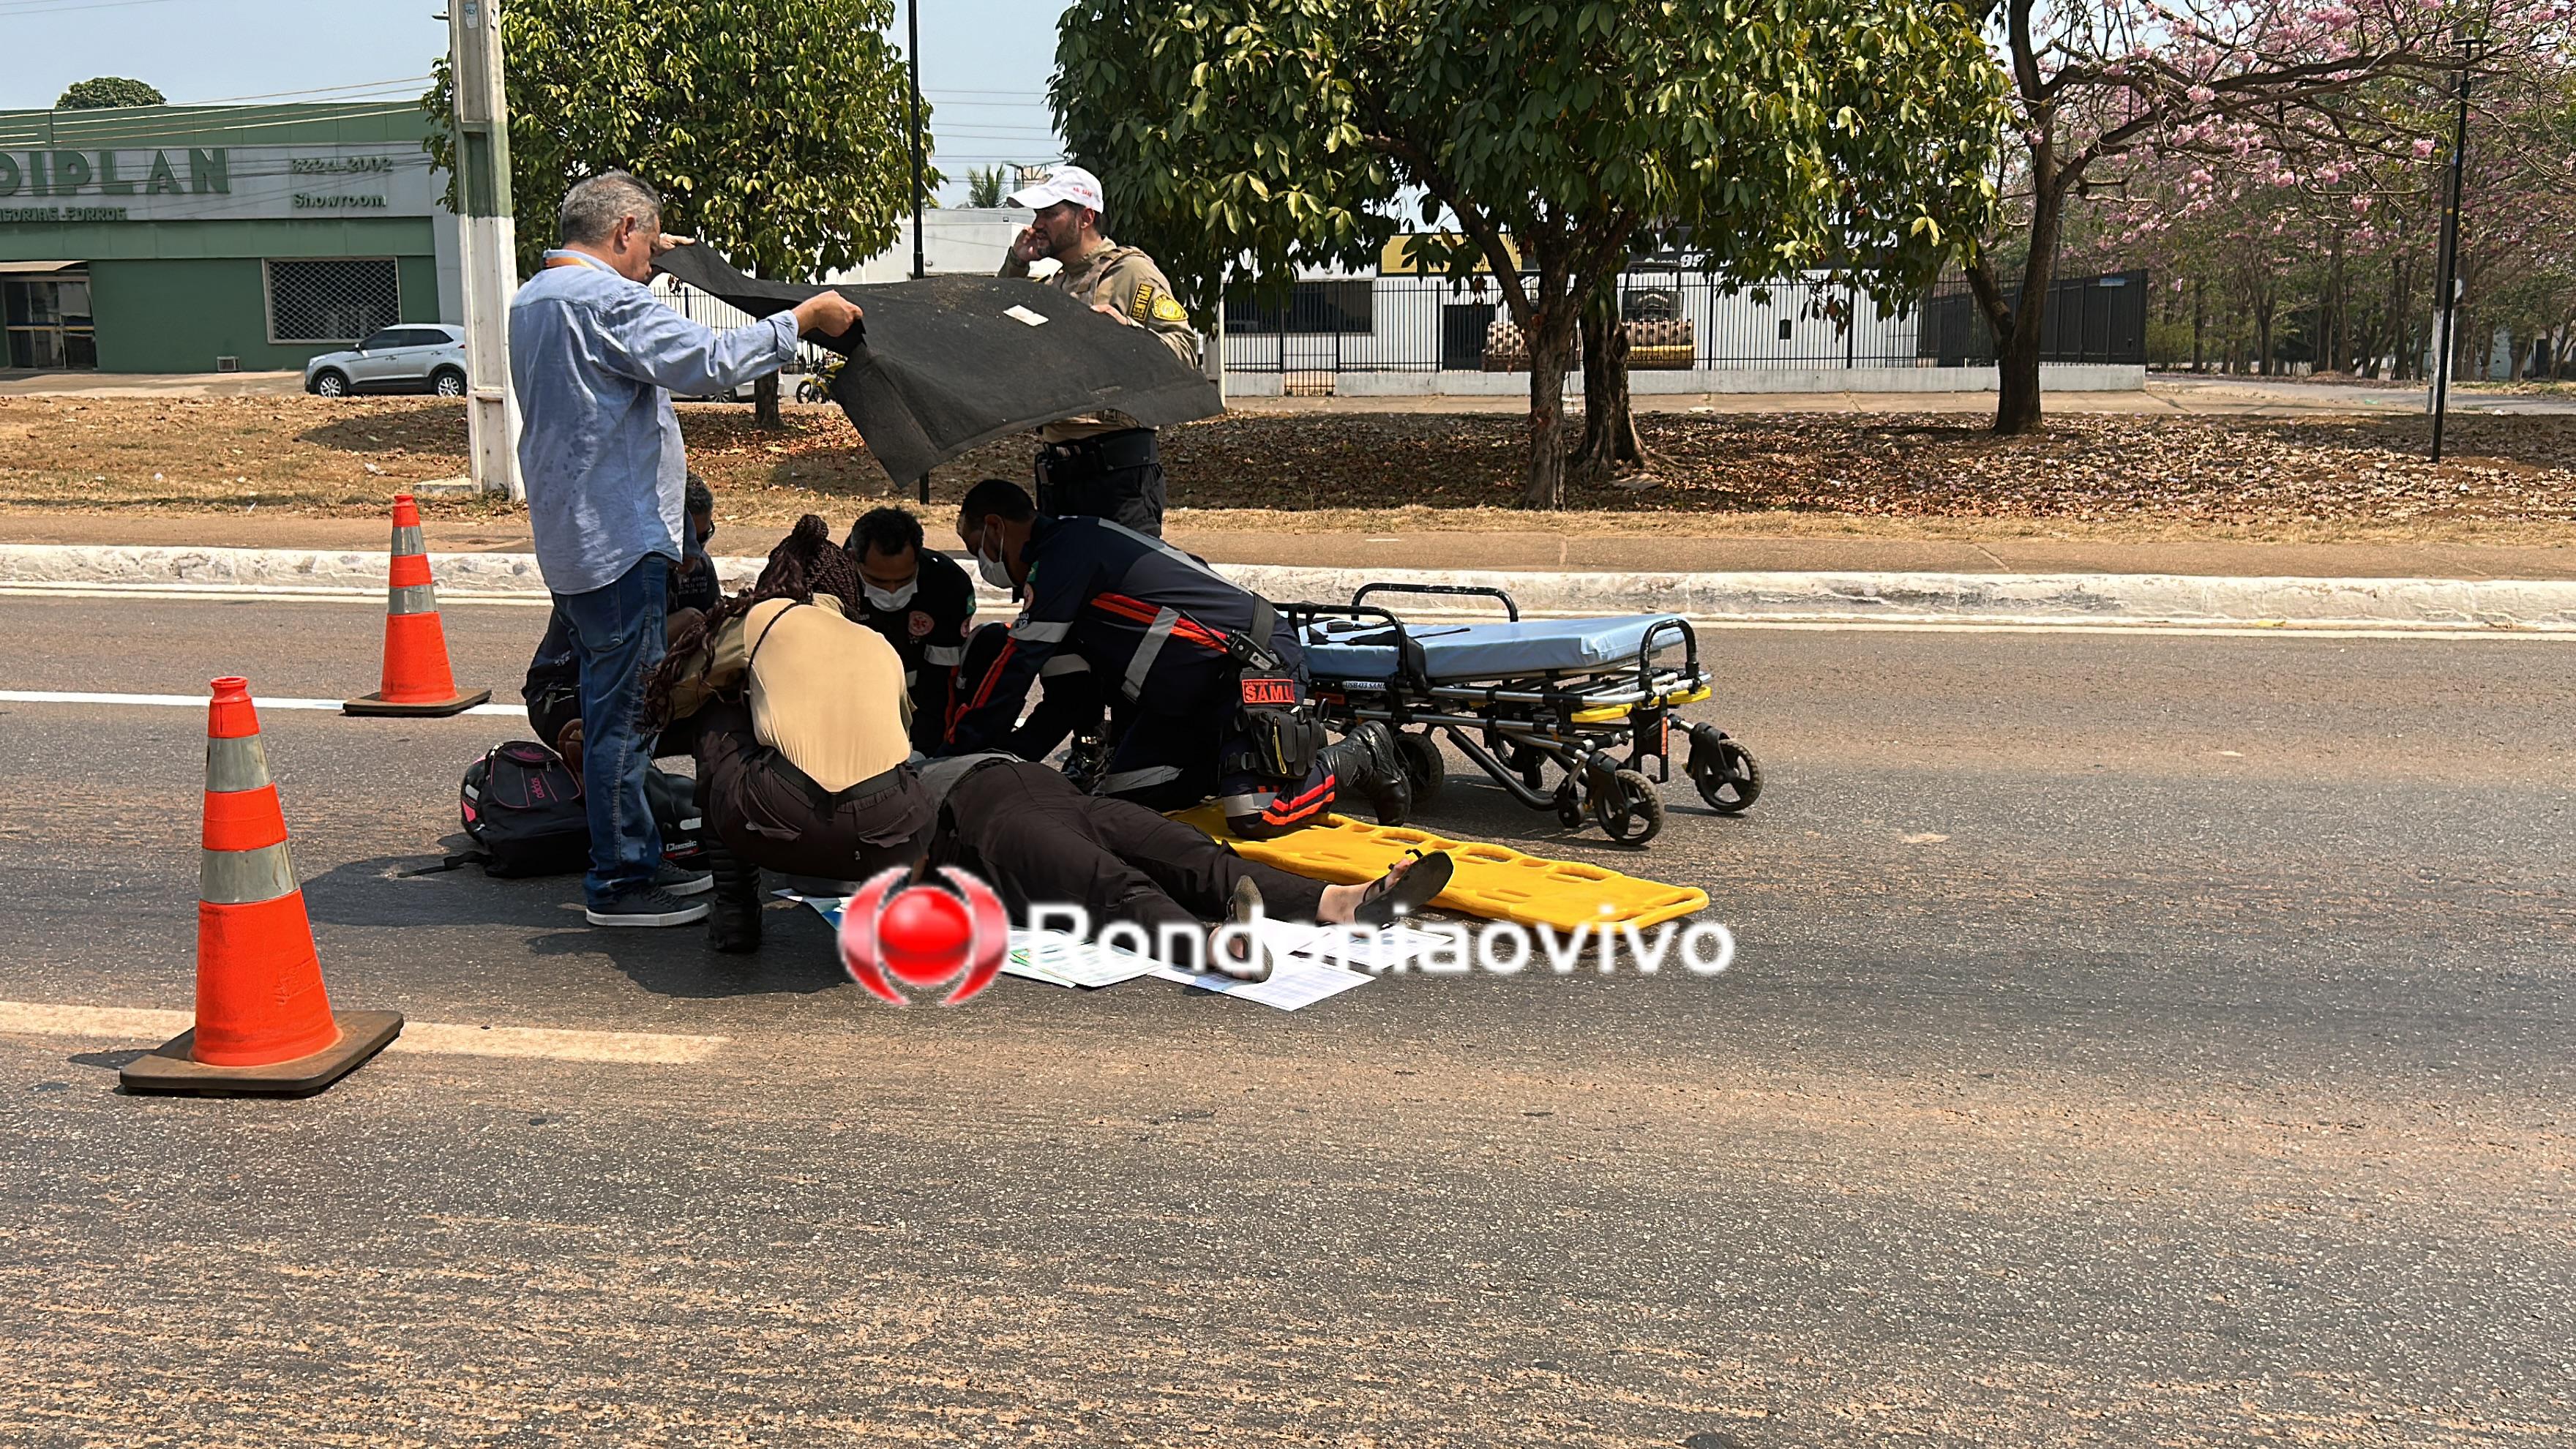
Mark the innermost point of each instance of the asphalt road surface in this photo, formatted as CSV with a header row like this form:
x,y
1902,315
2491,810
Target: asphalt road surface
x,y
2132,1039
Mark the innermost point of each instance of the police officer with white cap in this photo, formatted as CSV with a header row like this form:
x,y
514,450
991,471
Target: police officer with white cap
x,y
1099,464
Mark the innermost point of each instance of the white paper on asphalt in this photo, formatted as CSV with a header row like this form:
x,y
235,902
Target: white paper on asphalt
x,y
1296,979
1359,947
1294,982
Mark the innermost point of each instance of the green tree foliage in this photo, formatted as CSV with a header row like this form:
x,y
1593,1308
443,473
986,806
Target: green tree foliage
x,y
777,130
1242,139
985,186
102,92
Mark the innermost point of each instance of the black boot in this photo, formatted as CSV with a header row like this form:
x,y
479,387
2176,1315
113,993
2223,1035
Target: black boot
x,y
733,925
1365,765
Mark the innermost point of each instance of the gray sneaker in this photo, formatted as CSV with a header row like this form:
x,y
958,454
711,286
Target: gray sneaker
x,y
646,907
679,880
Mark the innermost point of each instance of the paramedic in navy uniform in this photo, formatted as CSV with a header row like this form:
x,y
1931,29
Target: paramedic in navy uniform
x,y
921,601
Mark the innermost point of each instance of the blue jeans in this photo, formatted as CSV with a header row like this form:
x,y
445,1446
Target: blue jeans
x,y
617,632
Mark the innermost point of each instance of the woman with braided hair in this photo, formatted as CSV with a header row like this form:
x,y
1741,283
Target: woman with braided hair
x,y
799,718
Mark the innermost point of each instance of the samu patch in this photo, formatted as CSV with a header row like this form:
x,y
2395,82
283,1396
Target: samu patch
x,y
920,624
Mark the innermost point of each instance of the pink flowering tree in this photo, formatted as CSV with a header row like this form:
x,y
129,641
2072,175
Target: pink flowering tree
x,y
2331,214
2099,86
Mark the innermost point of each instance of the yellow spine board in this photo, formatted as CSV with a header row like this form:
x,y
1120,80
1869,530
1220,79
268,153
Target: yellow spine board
x,y
1492,881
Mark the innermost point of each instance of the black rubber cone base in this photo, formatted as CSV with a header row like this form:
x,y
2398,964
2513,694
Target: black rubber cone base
x,y
170,1069
378,704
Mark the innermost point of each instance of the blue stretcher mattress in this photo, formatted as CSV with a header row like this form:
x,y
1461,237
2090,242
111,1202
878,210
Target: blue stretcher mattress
x,y
1365,648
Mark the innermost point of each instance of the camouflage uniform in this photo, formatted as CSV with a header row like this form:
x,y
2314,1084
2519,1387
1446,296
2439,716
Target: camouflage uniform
x,y
1103,464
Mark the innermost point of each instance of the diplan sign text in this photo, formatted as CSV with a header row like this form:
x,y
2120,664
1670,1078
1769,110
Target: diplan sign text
x,y
199,171
182,179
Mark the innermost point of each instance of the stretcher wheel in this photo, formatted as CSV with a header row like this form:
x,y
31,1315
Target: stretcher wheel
x,y
1728,776
1425,768
1630,811
1569,806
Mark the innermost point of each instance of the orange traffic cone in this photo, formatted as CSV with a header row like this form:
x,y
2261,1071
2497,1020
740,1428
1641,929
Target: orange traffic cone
x,y
264,1026
417,681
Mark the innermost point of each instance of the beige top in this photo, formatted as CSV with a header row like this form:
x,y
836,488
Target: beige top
x,y
1126,281
826,693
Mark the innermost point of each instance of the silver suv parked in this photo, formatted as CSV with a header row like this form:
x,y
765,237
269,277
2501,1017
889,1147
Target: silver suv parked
x,y
415,357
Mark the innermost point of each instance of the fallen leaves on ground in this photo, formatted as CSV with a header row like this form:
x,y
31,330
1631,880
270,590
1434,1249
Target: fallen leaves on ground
x,y
313,455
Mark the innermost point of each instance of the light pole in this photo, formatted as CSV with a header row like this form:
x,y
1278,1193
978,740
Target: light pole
x,y
912,75
2449,284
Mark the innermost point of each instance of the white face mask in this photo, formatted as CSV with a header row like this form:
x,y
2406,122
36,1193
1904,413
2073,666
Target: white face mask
x,y
889,599
995,572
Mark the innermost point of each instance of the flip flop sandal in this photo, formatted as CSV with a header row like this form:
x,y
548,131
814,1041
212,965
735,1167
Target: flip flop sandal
x,y
1387,901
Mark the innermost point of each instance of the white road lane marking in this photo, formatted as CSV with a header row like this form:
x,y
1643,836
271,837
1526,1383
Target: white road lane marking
x,y
556,1043
148,1027
2446,633
265,594
198,701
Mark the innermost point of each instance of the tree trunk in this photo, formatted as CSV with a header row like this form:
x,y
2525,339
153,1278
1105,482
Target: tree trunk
x,y
2263,332
2400,319
2017,382
764,403
2017,356
2340,340
2199,319
1609,428
1551,348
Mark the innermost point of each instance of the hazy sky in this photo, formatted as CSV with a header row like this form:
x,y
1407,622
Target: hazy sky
x,y
984,62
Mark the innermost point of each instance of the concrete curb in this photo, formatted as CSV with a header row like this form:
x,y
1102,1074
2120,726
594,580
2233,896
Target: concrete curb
x,y
2547,605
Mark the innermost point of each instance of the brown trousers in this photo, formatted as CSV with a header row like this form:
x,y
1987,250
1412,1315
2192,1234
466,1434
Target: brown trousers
x,y
768,812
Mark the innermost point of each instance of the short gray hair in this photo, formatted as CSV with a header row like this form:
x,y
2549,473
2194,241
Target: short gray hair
x,y
594,207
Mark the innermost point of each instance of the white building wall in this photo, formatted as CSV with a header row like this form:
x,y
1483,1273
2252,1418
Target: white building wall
x,y
968,240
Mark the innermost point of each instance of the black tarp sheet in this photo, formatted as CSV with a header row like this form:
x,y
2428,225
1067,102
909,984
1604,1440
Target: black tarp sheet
x,y
941,364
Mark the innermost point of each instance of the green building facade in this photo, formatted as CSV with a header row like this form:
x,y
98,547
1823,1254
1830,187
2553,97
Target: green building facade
x,y
217,238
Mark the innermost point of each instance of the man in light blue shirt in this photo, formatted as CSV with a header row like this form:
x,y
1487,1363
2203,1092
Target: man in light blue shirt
x,y
595,359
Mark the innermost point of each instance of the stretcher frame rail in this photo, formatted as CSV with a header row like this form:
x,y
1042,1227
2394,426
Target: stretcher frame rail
x,y
1515,724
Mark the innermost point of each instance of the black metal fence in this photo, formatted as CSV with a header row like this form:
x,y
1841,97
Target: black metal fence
x,y
2089,319
1676,320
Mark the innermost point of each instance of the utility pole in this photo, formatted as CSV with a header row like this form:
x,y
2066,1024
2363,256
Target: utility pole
x,y
912,75
2448,288
487,246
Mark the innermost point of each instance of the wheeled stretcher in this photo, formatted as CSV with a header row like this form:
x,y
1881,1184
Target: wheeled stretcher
x,y
1523,698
